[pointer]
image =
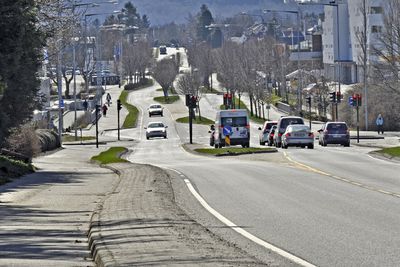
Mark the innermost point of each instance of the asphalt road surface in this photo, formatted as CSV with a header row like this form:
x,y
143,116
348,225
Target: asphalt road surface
x,y
330,206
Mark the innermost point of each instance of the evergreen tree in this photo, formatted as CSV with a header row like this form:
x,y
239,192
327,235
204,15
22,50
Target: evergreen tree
x,y
21,44
204,19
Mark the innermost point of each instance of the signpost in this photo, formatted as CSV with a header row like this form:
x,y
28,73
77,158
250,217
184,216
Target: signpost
x,y
227,131
355,101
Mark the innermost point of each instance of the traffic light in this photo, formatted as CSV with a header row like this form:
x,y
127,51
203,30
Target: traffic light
x,y
225,99
119,105
338,97
308,100
357,100
193,102
230,100
332,97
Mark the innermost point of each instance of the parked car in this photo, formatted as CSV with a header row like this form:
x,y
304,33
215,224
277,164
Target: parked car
x,y
155,109
156,129
284,122
265,131
334,133
270,137
298,135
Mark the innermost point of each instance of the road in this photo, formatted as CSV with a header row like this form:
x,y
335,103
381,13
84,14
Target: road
x,y
330,206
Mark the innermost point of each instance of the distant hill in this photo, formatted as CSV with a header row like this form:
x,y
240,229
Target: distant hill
x,y
166,11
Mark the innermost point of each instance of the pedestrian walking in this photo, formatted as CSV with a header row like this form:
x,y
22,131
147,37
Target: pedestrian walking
x,y
104,108
379,123
85,105
108,98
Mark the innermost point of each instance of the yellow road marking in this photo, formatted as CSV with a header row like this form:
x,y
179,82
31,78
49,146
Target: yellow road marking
x,y
309,168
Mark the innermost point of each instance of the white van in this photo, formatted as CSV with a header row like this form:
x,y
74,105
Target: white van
x,y
234,123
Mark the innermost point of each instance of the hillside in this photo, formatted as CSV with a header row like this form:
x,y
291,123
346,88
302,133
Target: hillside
x,y
165,11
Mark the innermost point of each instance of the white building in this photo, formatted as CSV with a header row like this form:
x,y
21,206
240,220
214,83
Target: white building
x,y
341,43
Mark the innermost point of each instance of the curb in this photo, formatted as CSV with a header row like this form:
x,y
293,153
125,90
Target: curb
x,y
95,240
244,153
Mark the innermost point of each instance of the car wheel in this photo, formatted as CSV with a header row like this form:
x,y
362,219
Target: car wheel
x,y
284,146
147,137
262,143
149,115
161,114
310,146
324,143
347,144
216,145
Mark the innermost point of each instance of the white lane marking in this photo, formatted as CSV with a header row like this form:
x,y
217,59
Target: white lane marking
x,y
244,233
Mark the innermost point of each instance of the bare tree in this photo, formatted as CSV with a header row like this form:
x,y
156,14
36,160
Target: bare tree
x,y
165,73
386,53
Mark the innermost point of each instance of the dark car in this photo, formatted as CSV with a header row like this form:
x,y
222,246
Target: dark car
x,y
284,122
334,133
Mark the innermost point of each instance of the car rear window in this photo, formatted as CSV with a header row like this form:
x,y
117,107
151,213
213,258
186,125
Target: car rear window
x,y
337,126
300,128
155,106
269,125
234,121
290,121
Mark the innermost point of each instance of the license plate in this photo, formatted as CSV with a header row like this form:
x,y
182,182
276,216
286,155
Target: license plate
x,y
336,135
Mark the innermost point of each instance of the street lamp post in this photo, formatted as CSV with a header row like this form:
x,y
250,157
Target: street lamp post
x,y
300,83
338,60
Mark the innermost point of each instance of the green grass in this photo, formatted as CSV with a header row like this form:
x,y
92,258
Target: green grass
x,y
112,155
172,90
10,169
133,113
392,151
203,120
169,100
232,150
71,138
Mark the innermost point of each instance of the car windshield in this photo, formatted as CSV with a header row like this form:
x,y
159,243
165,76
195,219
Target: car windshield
x,y
155,106
155,125
235,121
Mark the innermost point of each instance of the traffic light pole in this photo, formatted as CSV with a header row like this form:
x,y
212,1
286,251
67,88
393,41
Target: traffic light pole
x,y
118,120
97,125
190,124
358,124
309,109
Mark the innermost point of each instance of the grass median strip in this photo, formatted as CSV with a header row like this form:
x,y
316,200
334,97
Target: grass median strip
x,y
133,113
169,100
112,155
71,138
390,152
198,120
233,150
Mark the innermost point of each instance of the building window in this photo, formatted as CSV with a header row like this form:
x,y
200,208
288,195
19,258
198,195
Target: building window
x,y
376,10
376,29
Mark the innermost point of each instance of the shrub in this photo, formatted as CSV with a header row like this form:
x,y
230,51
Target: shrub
x,y
23,140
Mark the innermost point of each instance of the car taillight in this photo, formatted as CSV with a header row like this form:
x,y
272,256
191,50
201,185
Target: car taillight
x,y
247,126
287,135
279,134
272,135
311,134
221,126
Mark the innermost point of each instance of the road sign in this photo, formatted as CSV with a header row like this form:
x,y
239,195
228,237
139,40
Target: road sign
x,y
61,103
227,130
350,100
268,106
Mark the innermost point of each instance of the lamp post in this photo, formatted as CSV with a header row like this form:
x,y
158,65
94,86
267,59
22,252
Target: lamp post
x,y
338,58
97,66
300,83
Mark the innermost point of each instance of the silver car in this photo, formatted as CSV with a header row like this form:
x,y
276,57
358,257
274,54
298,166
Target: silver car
x,y
298,135
156,129
155,109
